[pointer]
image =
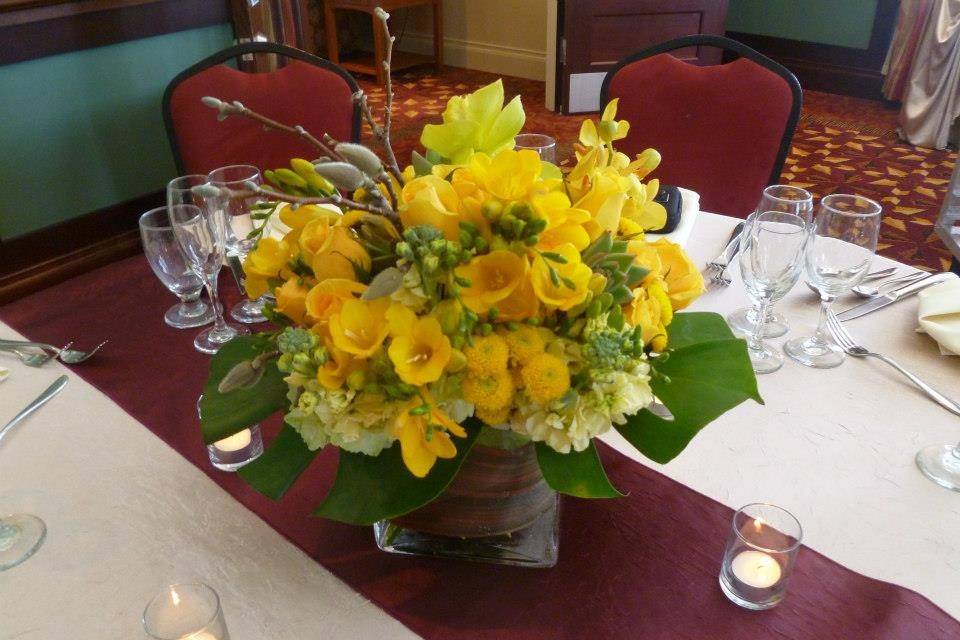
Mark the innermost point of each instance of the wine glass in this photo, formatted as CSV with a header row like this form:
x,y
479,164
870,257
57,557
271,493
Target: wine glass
x,y
771,260
202,234
20,537
165,258
842,244
941,463
545,146
237,211
787,199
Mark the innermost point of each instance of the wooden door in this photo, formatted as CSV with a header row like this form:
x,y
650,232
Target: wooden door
x,y
592,35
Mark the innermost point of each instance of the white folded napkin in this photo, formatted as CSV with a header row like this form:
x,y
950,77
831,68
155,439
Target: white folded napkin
x,y
4,373
939,315
690,207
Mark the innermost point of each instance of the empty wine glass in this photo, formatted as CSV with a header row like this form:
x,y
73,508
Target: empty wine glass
x,y
201,234
771,260
165,258
20,537
237,211
842,244
787,199
545,146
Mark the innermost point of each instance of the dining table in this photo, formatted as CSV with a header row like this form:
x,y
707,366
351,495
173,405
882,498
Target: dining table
x,y
116,467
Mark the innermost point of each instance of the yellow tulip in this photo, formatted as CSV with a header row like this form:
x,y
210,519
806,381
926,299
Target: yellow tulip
x,y
493,277
360,327
509,175
604,201
684,282
560,295
424,438
292,300
420,355
432,201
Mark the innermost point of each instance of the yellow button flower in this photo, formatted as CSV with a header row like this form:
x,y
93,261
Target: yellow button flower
x,y
524,343
545,378
292,300
360,327
555,290
493,391
487,354
432,201
420,355
684,282
492,278
263,263
425,437
509,175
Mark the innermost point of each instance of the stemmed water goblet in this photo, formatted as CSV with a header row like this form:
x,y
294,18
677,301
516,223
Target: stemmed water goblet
x,y
201,233
786,199
771,261
237,212
842,243
167,262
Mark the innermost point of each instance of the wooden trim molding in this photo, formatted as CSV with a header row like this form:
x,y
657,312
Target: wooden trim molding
x,y
53,254
35,28
832,68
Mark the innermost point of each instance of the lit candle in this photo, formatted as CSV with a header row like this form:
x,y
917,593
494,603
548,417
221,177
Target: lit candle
x,y
756,569
235,442
200,635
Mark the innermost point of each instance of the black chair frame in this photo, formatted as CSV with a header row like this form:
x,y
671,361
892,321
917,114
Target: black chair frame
x,y
743,51
234,53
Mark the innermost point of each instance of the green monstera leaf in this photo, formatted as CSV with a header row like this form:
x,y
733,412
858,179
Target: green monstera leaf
x,y
372,488
280,465
224,414
578,473
706,373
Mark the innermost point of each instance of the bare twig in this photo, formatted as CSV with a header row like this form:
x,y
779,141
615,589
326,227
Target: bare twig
x,y
334,199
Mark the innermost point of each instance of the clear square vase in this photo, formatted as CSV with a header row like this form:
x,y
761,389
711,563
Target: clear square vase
x,y
498,509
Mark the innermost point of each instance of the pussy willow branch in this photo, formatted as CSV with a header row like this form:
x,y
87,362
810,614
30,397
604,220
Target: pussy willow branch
x,y
238,109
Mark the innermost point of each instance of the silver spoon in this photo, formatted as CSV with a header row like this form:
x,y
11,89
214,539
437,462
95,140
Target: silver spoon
x,y
873,275
866,291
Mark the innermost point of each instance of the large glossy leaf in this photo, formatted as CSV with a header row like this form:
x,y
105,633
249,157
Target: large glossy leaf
x,y
372,488
578,473
280,465
695,327
704,380
224,414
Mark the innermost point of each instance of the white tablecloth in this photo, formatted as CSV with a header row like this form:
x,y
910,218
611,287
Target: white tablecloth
x,y
127,515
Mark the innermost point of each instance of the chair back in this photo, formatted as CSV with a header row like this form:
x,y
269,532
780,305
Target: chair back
x,y
723,130
304,90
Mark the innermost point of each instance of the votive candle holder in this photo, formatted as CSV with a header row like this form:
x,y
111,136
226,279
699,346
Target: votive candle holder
x,y
185,612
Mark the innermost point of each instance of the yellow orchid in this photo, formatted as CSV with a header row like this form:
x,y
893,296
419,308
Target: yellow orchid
x,y
432,201
553,289
508,175
493,277
420,353
605,201
641,212
360,327
476,122
609,130
684,282
265,262
424,437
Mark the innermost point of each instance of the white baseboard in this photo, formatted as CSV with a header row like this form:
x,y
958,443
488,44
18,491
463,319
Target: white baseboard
x,y
483,56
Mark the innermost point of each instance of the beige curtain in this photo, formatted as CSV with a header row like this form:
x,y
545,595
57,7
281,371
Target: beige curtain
x,y
911,19
931,100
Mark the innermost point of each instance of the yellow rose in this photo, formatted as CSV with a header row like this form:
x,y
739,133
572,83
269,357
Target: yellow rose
x,y
292,300
265,262
493,277
684,282
420,354
646,256
432,201
570,284
645,311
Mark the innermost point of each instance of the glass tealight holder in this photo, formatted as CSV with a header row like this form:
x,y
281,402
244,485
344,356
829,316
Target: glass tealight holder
x,y
759,557
185,612
237,450
545,146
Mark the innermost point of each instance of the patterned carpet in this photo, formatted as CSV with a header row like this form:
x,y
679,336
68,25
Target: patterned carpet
x,y
842,144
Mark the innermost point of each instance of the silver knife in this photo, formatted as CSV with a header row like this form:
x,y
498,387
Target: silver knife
x,y
889,298
41,400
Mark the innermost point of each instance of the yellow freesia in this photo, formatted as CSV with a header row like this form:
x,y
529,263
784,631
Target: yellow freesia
x,y
522,303
421,353
509,175
684,282
360,327
493,277
292,300
564,223
332,250
265,262
431,201
425,437
326,298
556,291
604,201
475,122
337,368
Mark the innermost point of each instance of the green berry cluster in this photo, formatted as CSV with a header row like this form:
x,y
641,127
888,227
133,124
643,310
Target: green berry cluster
x,y
608,349
515,222
300,352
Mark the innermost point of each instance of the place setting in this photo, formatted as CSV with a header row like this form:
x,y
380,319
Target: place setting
x,y
403,357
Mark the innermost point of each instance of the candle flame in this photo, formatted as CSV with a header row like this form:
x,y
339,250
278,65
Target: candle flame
x,y
175,597
758,523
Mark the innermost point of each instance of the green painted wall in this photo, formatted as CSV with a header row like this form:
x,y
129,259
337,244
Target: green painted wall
x,y
841,22
83,130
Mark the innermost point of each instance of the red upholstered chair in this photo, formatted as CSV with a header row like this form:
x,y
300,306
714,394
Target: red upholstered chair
x,y
306,90
723,131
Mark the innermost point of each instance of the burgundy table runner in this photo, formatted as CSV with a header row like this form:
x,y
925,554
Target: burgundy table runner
x,y
645,566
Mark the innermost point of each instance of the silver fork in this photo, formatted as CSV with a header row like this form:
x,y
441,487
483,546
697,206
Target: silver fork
x,y
719,264
850,346
65,354
30,359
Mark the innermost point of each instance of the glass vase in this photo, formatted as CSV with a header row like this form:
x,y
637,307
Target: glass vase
x,y
498,509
